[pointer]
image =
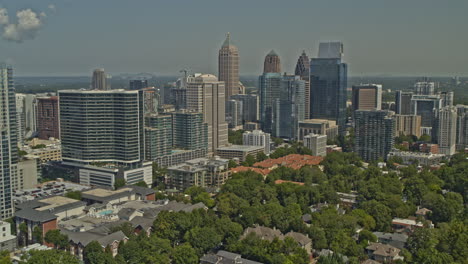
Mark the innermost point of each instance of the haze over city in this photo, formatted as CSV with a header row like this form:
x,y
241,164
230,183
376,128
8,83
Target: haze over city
x,y
70,38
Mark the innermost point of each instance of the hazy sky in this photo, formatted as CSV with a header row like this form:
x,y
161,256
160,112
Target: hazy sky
x,y
394,37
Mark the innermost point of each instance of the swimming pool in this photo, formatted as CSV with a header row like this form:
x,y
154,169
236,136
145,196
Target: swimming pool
x,y
106,212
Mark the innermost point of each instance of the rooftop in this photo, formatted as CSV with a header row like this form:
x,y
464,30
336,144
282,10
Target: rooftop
x,y
240,148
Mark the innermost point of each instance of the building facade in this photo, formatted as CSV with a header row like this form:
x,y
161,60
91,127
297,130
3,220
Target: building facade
x,y
228,68
257,138
445,130
205,94
48,117
8,140
234,113
462,127
303,70
374,133
250,106
328,82
138,84
190,132
424,88
239,152
318,126
272,63
270,92
403,103
158,136
407,125
99,80
316,143
367,97
290,107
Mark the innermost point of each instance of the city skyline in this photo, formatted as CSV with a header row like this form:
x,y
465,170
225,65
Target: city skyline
x,y
399,38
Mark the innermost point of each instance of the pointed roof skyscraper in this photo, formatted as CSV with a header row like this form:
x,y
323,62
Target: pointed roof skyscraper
x,y
272,63
228,67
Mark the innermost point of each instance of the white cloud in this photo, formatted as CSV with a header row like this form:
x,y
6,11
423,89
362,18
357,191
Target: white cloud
x,y
27,26
3,16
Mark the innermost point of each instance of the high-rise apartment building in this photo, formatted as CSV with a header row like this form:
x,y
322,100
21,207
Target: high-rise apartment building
x,y
190,132
205,94
269,90
20,118
462,127
316,143
228,67
303,70
48,117
367,97
250,106
158,136
102,126
424,106
272,63
374,133
403,103
445,129
8,140
424,88
99,81
138,84
407,125
257,138
328,82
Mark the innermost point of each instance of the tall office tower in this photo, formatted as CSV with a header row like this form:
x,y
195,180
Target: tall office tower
x,y
403,103
8,140
424,106
102,126
407,125
257,138
445,129
289,109
367,97
328,82
424,88
272,63
48,117
374,133
179,92
270,87
234,113
303,70
462,127
317,144
99,81
189,130
20,118
158,136
250,106
205,94
228,67
138,84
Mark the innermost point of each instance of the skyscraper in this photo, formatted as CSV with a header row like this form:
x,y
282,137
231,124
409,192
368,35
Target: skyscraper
x,y
462,127
158,136
102,126
445,129
272,63
403,103
234,113
138,84
303,70
374,133
407,125
228,67
189,130
205,94
270,88
8,140
328,82
424,88
367,97
290,108
47,117
99,81
250,106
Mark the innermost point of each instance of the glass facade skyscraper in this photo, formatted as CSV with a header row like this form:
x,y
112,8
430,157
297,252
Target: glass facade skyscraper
x,y
8,140
270,88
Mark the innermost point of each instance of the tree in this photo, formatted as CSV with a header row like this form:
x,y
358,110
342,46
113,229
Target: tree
x,y
249,161
5,257
381,214
185,254
51,257
203,239
23,228
119,183
59,240
74,195
37,234
232,164
126,228
261,156
91,252
141,184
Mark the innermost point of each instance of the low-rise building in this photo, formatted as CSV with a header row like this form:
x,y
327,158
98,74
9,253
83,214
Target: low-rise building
x,y
79,240
257,138
7,240
392,239
316,143
28,173
126,193
179,156
239,151
201,172
424,159
383,253
401,225
225,257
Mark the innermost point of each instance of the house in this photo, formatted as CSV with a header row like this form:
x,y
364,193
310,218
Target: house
x,y
423,212
383,253
225,257
79,240
392,239
401,225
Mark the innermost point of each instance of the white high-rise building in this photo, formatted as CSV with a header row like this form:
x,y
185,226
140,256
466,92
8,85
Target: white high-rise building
x,y
257,138
8,140
424,88
317,144
446,125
